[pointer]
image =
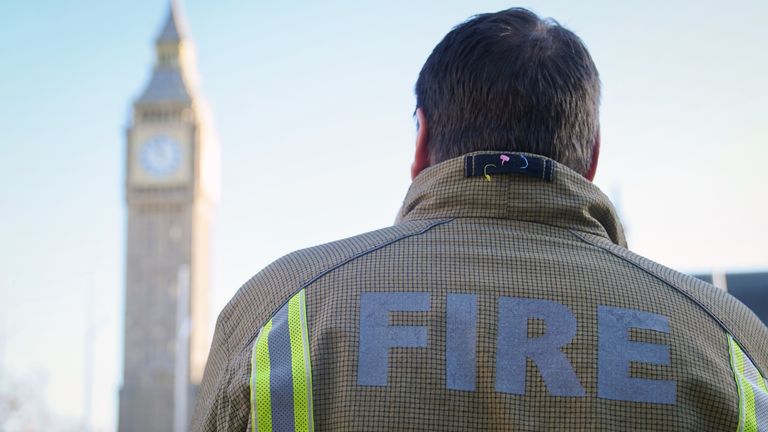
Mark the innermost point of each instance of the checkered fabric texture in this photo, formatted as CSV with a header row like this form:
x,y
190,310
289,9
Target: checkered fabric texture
x,y
513,236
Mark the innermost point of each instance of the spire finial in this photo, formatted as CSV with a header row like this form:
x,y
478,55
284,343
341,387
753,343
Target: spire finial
x,y
173,30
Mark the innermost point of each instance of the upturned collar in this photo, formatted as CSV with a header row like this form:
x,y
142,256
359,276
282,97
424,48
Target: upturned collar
x,y
512,185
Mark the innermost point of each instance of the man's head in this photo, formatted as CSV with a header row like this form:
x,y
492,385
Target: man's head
x,y
509,81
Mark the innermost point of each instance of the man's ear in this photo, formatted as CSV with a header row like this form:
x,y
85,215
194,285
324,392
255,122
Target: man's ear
x,y
590,175
421,158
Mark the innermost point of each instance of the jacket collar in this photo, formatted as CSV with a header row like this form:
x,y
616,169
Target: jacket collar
x,y
567,201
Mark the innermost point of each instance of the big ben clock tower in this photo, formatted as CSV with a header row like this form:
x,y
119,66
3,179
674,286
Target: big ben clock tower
x,y
170,183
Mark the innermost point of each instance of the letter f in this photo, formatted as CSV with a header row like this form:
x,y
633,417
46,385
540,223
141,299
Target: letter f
x,y
377,336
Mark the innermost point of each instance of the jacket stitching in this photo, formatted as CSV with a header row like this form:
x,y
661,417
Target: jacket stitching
x,y
346,261
673,286
366,252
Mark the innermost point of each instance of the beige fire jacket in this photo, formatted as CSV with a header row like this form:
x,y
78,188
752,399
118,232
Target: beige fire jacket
x,y
504,298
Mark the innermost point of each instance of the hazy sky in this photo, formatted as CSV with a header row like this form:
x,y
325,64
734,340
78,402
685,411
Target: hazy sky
x,y
312,102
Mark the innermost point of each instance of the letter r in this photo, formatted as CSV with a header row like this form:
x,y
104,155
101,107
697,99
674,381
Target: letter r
x,y
377,336
514,347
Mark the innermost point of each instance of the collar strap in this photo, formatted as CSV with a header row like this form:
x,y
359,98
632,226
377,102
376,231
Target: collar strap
x,y
489,164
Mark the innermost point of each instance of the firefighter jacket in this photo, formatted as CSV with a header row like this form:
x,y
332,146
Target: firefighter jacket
x,y
504,298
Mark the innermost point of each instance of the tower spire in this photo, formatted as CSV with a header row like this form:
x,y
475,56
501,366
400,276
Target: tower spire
x,y
174,76
173,30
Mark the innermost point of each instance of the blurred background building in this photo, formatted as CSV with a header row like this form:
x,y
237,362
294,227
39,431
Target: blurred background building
x,y
169,190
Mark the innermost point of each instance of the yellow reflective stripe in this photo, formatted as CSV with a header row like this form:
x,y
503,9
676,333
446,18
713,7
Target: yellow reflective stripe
x,y
738,368
761,384
752,391
302,390
308,360
261,399
287,327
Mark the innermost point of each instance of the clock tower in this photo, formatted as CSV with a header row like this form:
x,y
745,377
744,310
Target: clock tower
x,y
170,184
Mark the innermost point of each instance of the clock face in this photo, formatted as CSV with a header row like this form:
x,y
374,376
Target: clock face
x,y
160,156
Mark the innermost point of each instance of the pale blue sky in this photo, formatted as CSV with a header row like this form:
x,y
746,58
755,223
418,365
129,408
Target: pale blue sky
x,y
312,102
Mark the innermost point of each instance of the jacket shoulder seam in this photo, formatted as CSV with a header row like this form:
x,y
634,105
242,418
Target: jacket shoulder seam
x,y
348,260
370,250
661,278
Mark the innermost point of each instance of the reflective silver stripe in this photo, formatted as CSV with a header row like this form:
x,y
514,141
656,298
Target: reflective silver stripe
x,y
280,373
760,394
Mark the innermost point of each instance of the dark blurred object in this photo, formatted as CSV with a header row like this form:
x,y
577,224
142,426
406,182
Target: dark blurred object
x,y
750,288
